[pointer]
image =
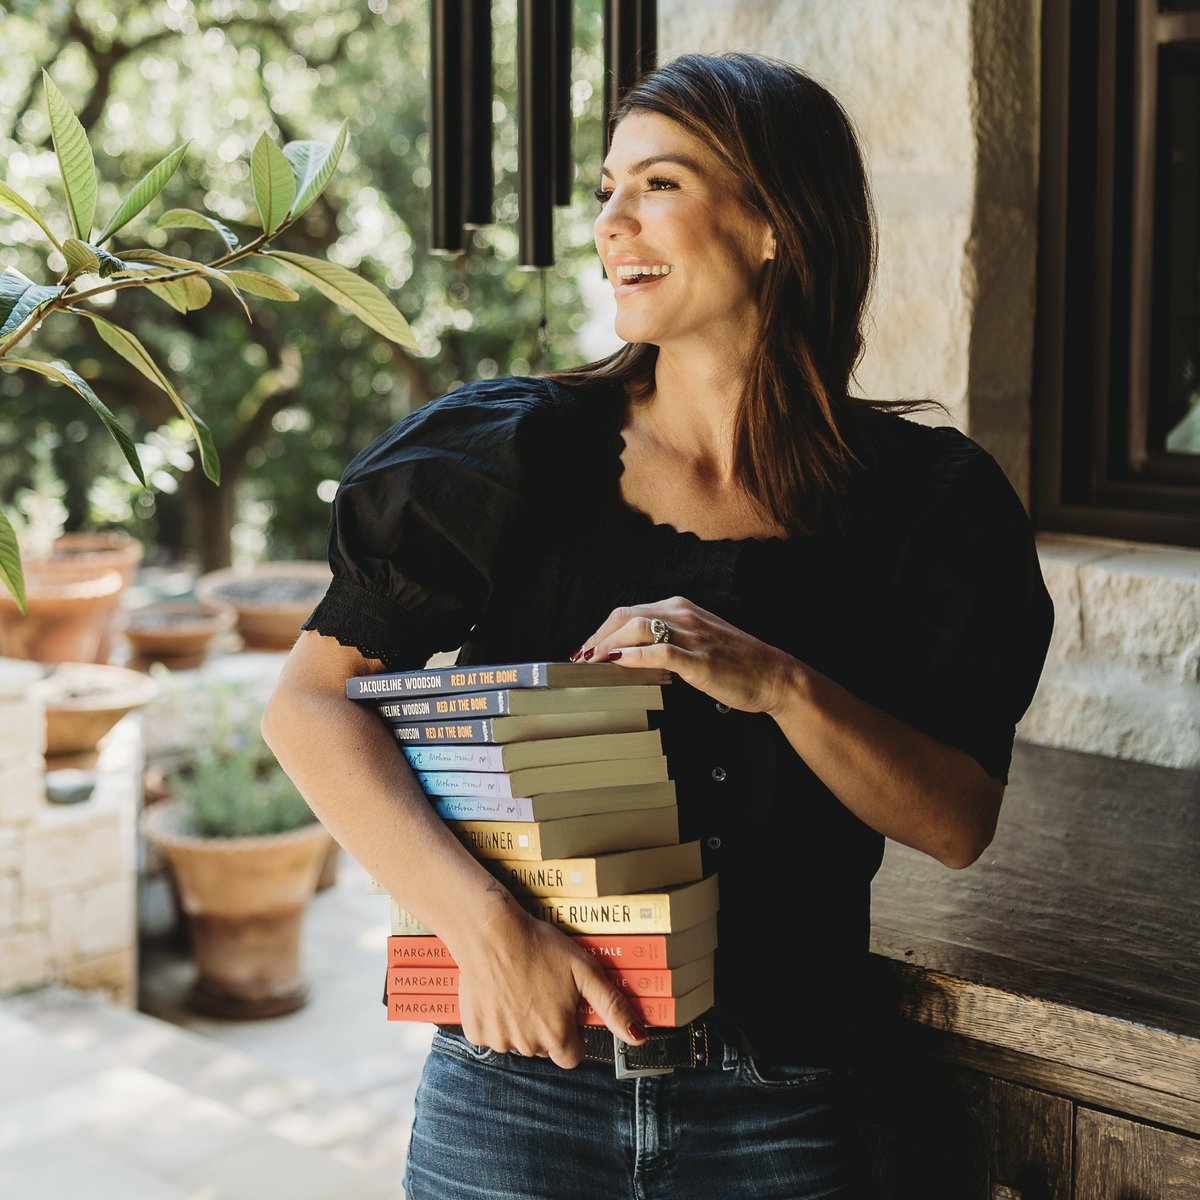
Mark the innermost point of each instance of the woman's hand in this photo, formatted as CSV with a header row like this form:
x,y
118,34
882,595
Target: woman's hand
x,y
713,656
520,986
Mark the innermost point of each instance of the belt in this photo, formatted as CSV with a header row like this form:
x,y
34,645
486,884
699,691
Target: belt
x,y
691,1045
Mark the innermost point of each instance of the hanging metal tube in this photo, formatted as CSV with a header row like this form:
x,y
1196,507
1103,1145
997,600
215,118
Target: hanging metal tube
x,y
535,133
564,166
477,114
630,50
446,125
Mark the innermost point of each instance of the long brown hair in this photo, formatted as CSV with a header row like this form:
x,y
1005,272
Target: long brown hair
x,y
798,433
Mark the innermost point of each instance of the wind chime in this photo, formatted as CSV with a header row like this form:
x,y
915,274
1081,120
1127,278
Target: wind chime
x,y
461,113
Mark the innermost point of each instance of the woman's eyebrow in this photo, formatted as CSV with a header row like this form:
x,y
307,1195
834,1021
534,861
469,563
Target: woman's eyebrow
x,y
641,165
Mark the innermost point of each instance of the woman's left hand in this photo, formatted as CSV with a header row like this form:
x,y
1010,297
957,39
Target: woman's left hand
x,y
713,656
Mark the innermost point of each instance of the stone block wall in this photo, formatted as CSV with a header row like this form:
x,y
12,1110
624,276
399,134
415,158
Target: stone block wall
x,y
67,873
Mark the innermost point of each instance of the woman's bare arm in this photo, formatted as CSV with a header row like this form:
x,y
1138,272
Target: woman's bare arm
x,y
520,977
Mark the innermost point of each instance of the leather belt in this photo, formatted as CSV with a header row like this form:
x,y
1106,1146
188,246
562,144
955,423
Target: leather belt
x,y
663,1051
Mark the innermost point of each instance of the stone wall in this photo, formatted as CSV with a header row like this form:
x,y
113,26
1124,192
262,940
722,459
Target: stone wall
x,y
944,94
67,872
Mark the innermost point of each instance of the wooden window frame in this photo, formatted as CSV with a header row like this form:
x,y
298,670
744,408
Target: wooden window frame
x,y
1094,470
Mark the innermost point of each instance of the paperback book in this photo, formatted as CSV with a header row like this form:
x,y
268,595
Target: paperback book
x,y
513,702
427,682
551,806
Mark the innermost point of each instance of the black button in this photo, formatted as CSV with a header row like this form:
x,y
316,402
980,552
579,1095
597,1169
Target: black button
x,y
713,843
718,773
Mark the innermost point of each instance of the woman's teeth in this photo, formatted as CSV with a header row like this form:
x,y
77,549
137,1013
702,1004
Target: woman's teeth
x,y
636,274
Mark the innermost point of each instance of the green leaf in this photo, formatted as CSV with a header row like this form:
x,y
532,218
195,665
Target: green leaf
x,y
157,258
258,284
274,183
75,162
143,192
10,562
187,218
61,373
18,204
314,164
183,295
134,353
84,256
352,293
20,297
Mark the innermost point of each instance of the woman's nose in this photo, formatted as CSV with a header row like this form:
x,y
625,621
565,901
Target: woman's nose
x,y
615,217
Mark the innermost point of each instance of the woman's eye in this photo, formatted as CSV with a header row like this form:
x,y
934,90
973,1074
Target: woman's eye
x,y
604,194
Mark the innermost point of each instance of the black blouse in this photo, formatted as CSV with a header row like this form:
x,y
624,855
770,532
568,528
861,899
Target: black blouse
x,y
492,519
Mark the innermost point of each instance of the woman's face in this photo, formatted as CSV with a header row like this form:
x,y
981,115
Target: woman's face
x,y
668,203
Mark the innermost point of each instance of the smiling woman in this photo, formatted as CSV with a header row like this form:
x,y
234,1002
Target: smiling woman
x,y
850,604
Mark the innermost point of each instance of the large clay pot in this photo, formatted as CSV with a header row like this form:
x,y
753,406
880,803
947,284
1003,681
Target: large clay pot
x,y
272,599
245,900
176,633
65,620
85,700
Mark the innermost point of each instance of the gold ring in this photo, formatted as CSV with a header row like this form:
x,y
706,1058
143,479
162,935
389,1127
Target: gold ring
x,y
661,630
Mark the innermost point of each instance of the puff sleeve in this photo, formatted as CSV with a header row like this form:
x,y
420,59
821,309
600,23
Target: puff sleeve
x,y
976,617
421,520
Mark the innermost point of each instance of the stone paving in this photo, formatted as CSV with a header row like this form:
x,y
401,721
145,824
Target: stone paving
x,y
102,1102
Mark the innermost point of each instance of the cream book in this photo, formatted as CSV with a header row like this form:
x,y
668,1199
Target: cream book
x,y
602,874
569,837
547,752
529,781
644,912
550,806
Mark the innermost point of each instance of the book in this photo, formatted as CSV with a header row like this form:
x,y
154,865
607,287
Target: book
x,y
427,682
502,730
678,981
662,1010
545,752
550,806
512,702
653,1010
568,837
529,781
656,951
602,874
664,911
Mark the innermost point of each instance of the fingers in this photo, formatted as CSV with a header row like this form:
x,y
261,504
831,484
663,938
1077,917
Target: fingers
x,y
630,625
613,1007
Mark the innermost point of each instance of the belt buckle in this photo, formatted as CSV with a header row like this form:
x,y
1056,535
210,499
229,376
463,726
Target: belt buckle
x,y
624,1071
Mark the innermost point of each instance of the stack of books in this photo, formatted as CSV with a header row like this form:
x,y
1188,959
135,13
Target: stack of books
x,y
550,774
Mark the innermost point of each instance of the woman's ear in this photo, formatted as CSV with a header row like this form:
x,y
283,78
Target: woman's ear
x,y
769,249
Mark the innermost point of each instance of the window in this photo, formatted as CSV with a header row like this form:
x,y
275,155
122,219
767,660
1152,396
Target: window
x,y
1118,358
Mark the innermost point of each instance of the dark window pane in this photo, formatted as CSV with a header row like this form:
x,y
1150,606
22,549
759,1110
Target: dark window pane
x,y
1177,394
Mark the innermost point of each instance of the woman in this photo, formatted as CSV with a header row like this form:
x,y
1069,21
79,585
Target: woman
x,y
850,602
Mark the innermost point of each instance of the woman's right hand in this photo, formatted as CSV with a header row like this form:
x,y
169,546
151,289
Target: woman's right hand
x,y
520,984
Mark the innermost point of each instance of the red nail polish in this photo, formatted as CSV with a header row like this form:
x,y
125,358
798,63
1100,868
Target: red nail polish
x,y
612,654
575,655
589,652
637,1031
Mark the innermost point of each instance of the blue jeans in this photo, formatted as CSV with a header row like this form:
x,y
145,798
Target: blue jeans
x,y
493,1126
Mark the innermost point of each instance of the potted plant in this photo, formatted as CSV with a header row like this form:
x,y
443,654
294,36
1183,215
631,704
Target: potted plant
x,y
86,266
176,633
246,853
271,599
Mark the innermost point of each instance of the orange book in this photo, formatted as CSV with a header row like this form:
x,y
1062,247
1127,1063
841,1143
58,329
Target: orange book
x,y
652,951
654,1010
443,980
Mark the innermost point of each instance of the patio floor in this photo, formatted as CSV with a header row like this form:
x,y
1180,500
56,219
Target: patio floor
x,y
102,1102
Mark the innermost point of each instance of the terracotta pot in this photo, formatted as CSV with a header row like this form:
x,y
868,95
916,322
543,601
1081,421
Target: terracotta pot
x,y
78,556
272,600
245,901
64,621
329,868
176,633
85,700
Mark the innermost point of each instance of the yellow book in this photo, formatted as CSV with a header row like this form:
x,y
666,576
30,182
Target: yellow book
x,y
602,874
528,841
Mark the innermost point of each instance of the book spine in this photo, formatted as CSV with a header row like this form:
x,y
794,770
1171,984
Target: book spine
x,y
452,679
649,914
465,783
443,981
484,808
545,878
443,1010
455,758
499,839
466,732
647,951
438,710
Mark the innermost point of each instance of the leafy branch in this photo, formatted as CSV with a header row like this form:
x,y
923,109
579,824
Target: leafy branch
x,y
286,181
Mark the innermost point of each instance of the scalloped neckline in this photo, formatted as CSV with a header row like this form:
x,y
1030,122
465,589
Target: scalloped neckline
x,y
616,413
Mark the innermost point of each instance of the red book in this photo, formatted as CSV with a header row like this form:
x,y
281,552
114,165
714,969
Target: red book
x,y
677,981
654,1010
653,951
